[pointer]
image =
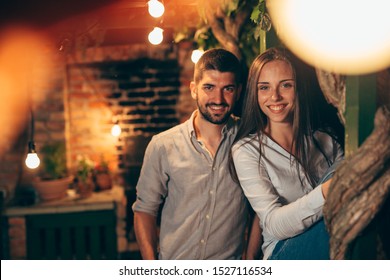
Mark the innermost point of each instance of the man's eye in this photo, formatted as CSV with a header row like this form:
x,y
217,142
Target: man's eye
x,y
229,89
207,88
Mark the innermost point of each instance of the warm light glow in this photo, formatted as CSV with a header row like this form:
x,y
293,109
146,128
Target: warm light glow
x,y
25,65
116,130
156,9
32,160
196,54
347,37
156,36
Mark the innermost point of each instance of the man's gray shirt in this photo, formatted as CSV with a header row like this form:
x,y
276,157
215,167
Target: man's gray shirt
x,y
205,211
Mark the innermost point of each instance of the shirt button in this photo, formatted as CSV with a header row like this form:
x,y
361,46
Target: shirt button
x,y
214,168
202,241
207,217
211,192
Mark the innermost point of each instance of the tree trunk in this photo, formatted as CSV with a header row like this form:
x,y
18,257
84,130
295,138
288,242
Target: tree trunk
x,y
225,28
360,188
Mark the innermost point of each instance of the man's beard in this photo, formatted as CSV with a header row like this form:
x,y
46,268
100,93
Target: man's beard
x,y
213,119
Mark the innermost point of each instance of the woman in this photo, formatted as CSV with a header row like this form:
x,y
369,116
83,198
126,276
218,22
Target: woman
x,y
279,161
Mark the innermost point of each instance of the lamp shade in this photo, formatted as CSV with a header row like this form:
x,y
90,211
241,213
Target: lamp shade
x,y
346,37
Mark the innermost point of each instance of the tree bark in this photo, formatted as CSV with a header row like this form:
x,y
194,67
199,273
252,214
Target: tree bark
x,y
226,29
333,87
359,188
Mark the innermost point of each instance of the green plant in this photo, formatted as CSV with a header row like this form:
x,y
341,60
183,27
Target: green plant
x,y
85,168
101,167
53,161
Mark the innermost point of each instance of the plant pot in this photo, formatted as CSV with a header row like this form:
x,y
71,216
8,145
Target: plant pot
x,y
103,181
85,187
55,189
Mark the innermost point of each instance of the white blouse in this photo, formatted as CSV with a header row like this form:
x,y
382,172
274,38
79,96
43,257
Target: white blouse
x,y
285,206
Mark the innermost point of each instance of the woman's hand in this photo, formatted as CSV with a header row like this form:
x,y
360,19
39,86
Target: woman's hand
x,y
325,188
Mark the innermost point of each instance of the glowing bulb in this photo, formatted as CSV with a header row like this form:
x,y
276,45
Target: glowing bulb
x,y
196,54
32,160
156,36
156,9
346,37
116,130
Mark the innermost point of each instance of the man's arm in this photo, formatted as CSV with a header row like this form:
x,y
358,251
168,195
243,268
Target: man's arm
x,y
145,226
253,250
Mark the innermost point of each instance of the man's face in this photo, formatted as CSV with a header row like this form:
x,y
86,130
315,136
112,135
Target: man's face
x,y
215,95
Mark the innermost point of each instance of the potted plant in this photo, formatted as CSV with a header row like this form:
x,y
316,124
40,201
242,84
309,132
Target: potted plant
x,y
102,176
53,180
84,176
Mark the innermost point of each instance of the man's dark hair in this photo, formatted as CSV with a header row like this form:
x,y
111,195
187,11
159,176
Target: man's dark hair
x,y
220,60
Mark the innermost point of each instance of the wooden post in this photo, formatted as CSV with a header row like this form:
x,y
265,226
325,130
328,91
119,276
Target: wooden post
x,y
359,111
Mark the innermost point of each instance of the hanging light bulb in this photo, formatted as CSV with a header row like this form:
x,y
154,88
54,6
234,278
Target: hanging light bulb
x,y
156,36
196,54
346,37
116,130
156,9
32,159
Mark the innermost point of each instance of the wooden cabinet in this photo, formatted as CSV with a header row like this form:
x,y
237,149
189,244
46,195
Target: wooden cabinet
x,y
72,228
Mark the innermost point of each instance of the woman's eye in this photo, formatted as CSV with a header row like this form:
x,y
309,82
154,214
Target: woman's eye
x,y
262,88
287,85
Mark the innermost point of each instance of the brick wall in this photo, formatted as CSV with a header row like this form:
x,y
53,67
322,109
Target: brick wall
x,y
142,92
144,87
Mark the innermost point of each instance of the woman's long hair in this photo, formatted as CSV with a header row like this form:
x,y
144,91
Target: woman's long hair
x,y
254,121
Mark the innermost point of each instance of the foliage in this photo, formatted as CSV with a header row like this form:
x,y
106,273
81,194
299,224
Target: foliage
x,y
53,161
84,169
250,36
101,167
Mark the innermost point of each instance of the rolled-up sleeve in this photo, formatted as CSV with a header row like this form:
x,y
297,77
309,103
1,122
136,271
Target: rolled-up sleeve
x,y
152,183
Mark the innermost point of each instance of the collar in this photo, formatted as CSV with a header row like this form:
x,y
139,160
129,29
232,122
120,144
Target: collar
x,y
227,128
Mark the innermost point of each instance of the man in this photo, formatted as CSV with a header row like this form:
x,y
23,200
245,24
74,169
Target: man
x,y
205,212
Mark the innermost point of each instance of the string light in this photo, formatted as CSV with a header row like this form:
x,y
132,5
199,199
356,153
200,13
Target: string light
x,y
346,37
156,36
196,54
32,160
156,9
116,130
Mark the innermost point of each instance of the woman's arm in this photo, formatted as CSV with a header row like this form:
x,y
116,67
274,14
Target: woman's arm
x,y
278,217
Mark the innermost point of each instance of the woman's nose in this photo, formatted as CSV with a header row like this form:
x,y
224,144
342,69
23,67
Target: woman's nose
x,y
275,95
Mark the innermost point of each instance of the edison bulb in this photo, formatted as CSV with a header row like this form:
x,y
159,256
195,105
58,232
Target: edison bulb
x,y
156,9
32,160
116,130
156,36
346,37
196,54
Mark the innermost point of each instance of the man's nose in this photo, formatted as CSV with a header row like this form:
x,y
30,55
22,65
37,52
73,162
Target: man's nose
x,y
219,97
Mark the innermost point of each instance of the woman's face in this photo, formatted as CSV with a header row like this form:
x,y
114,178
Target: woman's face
x,y
276,92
